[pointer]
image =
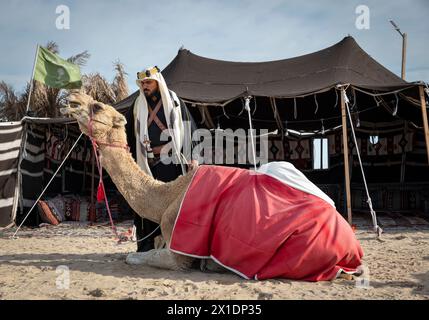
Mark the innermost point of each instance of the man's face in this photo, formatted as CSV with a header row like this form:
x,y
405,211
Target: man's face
x,y
149,87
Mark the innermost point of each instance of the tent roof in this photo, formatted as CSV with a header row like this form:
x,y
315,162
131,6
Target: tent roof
x,y
207,80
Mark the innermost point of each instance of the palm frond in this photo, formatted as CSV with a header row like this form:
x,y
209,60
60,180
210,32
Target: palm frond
x,y
12,105
80,59
53,47
119,85
98,88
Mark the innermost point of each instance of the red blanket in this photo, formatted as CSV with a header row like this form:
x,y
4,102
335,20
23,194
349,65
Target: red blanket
x,y
274,224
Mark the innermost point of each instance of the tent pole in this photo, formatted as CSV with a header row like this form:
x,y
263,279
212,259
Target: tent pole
x,y
346,157
425,118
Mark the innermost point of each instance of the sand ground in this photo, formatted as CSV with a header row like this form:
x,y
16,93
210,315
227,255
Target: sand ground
x,y
398,269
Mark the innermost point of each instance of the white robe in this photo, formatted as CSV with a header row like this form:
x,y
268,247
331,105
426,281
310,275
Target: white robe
x,y
173,116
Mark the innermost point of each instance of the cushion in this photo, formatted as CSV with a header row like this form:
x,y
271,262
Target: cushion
x,y
46,214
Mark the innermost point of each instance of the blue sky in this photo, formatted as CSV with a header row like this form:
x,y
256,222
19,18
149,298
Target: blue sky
x,y
143,33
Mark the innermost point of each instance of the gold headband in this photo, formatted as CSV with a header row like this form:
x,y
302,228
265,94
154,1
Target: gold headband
x,y
147,73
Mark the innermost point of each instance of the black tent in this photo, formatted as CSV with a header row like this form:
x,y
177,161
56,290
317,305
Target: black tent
x,y
302,95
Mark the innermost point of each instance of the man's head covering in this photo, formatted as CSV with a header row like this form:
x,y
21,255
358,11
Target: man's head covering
x,y
147,74
151,73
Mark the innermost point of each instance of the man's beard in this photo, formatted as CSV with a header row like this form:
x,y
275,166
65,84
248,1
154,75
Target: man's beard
x,y
154,95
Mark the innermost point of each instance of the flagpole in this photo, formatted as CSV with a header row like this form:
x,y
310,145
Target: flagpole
x,y
32,79
23,146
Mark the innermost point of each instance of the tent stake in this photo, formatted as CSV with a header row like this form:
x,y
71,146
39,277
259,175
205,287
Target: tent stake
x,y
425,118
346,157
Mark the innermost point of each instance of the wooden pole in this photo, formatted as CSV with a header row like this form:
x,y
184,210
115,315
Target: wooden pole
x,y
425,118
346,158
32,79
404,54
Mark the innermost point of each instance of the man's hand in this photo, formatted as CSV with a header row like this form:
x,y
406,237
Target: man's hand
x,y
192,165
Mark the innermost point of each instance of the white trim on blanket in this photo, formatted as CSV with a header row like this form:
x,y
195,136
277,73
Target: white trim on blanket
x,y
336,276
229,268
214,259
189,255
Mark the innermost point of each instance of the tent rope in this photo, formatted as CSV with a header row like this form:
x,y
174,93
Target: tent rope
x,y
256,107
382,93
276,113
336,99
244,107
395,111
247,106
317,104
224,112
377,101
302,121
377,228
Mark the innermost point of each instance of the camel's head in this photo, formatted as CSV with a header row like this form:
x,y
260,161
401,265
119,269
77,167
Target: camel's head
x,y
104,117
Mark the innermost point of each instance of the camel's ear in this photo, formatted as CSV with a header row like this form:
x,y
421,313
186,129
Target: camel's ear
x,y
119,121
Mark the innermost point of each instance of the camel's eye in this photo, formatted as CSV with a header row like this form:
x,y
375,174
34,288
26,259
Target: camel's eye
x,y
97,107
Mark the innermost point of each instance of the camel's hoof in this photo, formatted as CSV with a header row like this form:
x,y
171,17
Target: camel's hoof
x,y
135,258
346,276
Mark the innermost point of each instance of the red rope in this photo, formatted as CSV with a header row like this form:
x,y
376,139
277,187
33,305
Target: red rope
x,y
101,192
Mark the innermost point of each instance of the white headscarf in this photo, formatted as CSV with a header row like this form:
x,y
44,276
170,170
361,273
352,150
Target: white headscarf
x,y
173,116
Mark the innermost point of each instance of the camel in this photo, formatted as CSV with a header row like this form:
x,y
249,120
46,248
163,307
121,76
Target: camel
x,y
148,197
152,199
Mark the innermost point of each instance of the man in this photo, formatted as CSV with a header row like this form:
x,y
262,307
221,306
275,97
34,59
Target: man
x,y
156,110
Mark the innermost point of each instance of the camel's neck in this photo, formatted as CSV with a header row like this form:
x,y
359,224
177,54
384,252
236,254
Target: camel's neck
x,y
139,189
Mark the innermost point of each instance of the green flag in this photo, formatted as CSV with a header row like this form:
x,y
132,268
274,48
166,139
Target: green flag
x,y
55,71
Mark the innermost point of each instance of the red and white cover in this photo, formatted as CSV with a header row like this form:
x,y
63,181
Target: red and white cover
x,y
273,223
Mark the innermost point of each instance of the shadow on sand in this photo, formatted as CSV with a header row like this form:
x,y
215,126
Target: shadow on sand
x,y
112,265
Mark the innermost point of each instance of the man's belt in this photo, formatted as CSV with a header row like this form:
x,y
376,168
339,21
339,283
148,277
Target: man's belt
x,y
156,156
152,162
157,150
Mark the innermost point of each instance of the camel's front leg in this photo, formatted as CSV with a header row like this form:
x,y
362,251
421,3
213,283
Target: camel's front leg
x,y
160,258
